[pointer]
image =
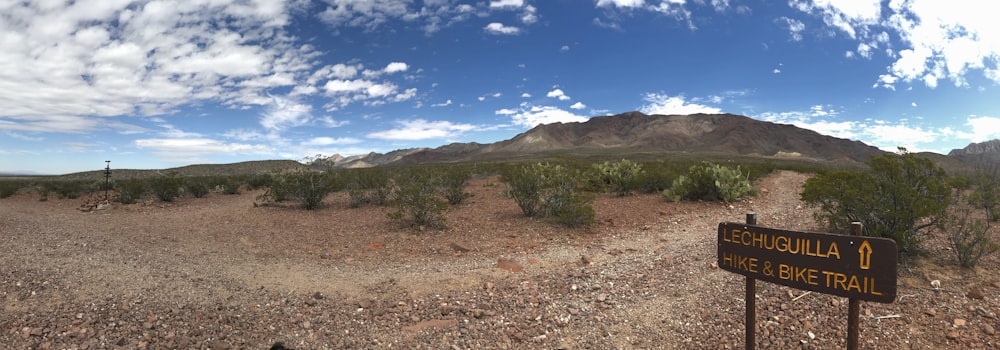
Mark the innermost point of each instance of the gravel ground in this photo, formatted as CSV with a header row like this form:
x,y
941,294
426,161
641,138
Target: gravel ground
x,y
222,273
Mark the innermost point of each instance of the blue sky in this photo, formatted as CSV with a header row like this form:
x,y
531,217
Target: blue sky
x,y
158,84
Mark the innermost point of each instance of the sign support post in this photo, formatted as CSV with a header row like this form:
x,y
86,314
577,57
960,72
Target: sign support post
x,y
853,305
751,297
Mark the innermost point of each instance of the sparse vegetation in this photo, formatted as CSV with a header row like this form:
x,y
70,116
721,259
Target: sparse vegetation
x,y
710,181
309,188
9,188
453,181
367,186
903,197
130,191
550,190
620,177
418,201
166,187
197,187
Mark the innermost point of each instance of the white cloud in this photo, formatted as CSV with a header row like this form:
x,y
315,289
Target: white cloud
x,y
776,71
621,3
564,48
530,116
396,67
558,94
667,105
506,111
188,150
525,95
795,27
500,28
818,119
329,141
983,128
938,40
446,103
85,59
420,129
578,105
506,3
284,113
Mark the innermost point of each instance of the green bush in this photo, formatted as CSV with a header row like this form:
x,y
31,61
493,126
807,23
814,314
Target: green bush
x,y
903,197
309,188
417,199
986,194
9,188
70,189
197,187
453,184
709,181
971,239
258,181
550,190
166,187
619,177
228,185
43,190
130,191
367,186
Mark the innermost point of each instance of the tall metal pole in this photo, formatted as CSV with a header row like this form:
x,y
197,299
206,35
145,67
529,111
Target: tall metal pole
x,y
751,300
107,180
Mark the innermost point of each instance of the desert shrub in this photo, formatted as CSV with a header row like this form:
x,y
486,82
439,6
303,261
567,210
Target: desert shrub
x,y
228,185
197,187
549,190
453,182
709,181
524,185
258,181
971,239
69,189
903,197
367,186
986,193
9,188
43,190
166,187
418,201
130,191
619,177
309,188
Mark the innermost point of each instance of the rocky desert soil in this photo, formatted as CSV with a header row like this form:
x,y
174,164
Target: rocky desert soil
x,y
220,273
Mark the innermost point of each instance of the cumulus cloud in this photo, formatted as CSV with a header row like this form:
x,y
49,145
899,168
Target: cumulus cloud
x,y
501,29
937,40
795,27
420,129
68,62
506,3
189,150
396,67
578,105
530,116
284,113
558,94
330,141
665,104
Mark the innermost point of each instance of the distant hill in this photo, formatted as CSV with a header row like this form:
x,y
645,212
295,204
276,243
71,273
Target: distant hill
x,y
637,133
242,168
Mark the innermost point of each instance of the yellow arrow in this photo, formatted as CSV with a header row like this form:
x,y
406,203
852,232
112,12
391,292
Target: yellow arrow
x,y
865,250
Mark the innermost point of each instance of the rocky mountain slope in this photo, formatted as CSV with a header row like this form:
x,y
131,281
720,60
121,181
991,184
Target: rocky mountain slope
x,y
635,132
978,153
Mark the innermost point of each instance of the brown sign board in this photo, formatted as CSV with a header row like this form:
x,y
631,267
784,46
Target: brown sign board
x,y
857,267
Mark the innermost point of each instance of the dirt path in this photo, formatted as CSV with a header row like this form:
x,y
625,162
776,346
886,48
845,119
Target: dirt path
x,y
219,272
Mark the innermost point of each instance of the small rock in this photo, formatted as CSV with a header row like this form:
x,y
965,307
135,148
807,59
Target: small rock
x,y
952,334
985,313
930,312
317,295
365,303
602,297
976,293
988,329
936,284
460,247
509,265
996,284
306,325
585,260
959,323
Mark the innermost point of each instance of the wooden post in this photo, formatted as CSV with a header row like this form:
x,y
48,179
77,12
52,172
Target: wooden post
x,y
853,305
751,300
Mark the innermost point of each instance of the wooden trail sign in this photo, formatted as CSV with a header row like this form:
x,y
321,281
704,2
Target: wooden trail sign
x,y
856,267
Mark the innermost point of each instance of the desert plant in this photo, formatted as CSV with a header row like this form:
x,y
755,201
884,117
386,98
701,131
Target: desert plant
x,y
43,191
971,239
309,188
367,186
166,187
258,181
550,190
197,187
619,177
9,188
453,184
228,185
710,181
130,191
986,194
69,189
903,197
417,199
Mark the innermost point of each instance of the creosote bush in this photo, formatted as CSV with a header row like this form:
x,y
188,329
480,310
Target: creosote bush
x,y
418,201
130,191
903,197
197,187
166,187
709,181
453,182
9,188
971,239
367,186
309,188
620,177
549,190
